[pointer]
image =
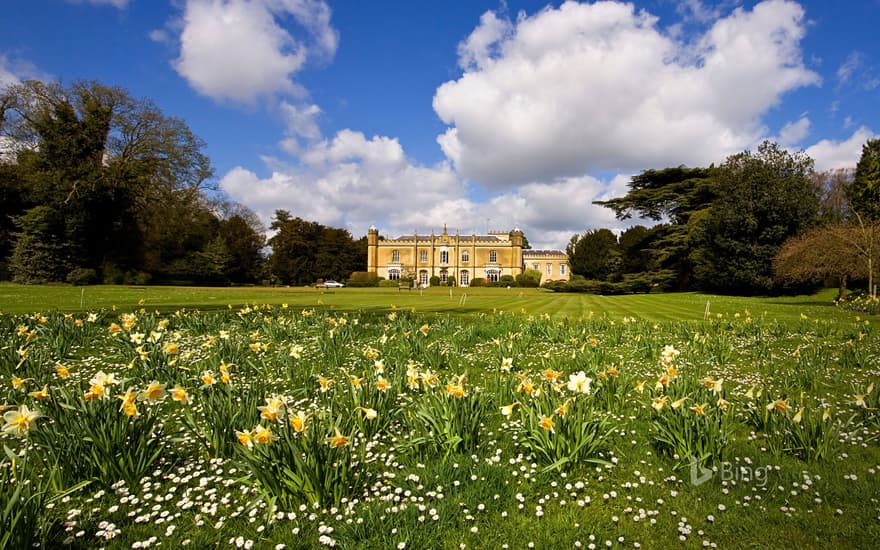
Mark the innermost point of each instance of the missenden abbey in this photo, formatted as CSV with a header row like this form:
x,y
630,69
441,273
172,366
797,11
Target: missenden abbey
x,y
461,258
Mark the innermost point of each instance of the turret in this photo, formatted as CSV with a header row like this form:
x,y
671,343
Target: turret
x,y
373,250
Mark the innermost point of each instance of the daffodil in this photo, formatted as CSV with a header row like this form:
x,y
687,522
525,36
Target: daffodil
x,y
579,383
272,409
41,394
153,392
296,351
678,403
18,421
700,409
337,440
507,410
62,371
424,330
547,423
382,384
798,415
780,405
506,364
298,421
369,414
640,387
179,394
208,378
660,402
263,435
19,383
245,438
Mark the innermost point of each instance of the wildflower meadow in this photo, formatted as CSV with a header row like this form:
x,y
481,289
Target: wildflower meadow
x,y
274,426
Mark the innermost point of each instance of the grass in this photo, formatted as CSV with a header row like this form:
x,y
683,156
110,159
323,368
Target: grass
x,y
443,440
686,306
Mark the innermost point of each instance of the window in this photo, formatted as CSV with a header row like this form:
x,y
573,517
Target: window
x,y
549,269
536,267
562,269
465,257
394,274
443,276
464,278
395,256
444,257
493,257
423,276
492,275
423,256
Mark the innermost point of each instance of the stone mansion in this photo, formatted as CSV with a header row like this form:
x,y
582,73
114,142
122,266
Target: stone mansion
x,y
461,258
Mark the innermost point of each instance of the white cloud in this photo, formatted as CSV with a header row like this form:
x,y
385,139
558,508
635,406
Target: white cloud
x,y
830,154
849,67
13,70
476,51
301,123
353,182
793,132
597,86
239,50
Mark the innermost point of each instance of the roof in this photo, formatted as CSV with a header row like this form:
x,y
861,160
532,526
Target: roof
x,y
543,253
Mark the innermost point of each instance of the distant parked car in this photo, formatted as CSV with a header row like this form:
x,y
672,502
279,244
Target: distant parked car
x,y
330,283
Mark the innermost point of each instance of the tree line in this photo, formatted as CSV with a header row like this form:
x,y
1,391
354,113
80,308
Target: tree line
x,y
761,222
99,186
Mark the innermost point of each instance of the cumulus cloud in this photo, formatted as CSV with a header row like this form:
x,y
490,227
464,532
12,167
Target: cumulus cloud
x,y
239,50
793,132
351,181
831,155
588,87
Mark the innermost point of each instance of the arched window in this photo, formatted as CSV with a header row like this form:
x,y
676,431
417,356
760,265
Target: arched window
x,y
395,256
493,257
465,257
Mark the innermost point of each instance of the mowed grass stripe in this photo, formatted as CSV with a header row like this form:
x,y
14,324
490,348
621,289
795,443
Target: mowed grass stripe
x,y
653,307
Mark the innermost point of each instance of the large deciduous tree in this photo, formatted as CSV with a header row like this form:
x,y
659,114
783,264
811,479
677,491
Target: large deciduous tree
x,y
763,198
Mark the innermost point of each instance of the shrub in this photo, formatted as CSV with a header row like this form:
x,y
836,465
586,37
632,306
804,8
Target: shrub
x,y
530,278
478,281
507,280
363,279
82,276
435,281
390,283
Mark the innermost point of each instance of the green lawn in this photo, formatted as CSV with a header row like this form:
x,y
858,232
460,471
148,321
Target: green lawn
x,y
652,307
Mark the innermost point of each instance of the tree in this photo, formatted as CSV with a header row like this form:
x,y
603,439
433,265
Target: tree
x,y
678,197
864,191
763,198
594,255
839,251
121,183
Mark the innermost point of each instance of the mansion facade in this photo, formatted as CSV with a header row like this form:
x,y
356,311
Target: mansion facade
x,y
461,258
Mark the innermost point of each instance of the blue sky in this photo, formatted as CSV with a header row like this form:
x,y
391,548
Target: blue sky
x,y
408,115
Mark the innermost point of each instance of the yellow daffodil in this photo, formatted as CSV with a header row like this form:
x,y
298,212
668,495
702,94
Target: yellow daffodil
x,y
41,394
369,414
547,423
779,405
208,378
19,383
153,392
18,421
180,394
263,435
337,440
660,402
424,330
245,438
62,371
506,364
298,421
678,403
640,387
382,384
798,415
272,409
700,409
